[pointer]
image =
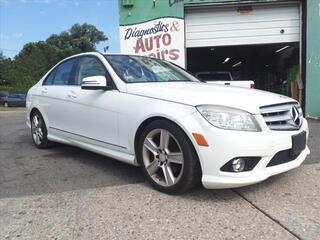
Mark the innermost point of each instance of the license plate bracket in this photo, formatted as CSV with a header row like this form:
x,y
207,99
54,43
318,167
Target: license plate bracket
x,y
299,142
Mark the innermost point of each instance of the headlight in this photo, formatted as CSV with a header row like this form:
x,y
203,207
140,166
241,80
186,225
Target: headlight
x,y
229,118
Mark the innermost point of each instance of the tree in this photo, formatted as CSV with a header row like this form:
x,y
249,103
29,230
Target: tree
x,y
5,65
33,61
80,38
36,58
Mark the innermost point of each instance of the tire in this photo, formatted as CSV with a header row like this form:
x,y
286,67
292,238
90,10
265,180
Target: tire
x,y
167,158
6,104
39,131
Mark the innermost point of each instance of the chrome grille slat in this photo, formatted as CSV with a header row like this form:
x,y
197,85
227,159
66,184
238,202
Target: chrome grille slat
x,y
282,127
279,117
284,116
276,111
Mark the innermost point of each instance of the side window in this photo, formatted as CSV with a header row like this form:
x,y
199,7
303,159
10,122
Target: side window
x,y
88,67
64,73
49,78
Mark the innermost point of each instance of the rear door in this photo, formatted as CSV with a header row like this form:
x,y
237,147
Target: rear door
x,y
54,94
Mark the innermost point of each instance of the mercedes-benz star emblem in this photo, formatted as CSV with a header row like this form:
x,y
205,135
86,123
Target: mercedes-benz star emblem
x,y
295,115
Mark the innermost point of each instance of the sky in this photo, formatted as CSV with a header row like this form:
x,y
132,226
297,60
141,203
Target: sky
x,y
23,21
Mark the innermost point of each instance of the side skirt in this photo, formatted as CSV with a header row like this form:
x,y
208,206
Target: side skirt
x,y
109,150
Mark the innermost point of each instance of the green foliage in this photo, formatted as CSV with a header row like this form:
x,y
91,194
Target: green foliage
x,y
5,65
36,58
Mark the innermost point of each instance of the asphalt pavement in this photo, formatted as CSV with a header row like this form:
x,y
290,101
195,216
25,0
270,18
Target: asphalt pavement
x,y
68,193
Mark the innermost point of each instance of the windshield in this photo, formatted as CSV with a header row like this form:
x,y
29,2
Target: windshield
x,y
134,69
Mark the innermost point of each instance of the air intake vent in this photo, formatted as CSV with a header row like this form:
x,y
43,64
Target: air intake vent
x,y
282,117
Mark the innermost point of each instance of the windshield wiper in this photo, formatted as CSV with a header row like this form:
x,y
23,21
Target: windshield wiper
x,y
175,80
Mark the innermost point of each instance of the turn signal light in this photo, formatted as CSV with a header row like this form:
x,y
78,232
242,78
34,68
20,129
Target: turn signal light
x,y
201,141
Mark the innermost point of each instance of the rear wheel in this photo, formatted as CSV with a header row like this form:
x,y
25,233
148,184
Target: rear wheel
x,y
167,158
39,131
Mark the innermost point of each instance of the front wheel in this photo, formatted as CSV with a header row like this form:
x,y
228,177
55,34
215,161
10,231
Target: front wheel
x,y
39,131
167,158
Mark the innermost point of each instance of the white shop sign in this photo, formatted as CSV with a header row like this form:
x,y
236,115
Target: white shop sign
x,y
160,38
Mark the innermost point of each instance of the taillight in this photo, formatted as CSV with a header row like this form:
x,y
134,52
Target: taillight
x,y
252,85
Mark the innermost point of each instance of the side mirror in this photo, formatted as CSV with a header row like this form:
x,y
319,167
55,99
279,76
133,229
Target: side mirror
x,y
95,83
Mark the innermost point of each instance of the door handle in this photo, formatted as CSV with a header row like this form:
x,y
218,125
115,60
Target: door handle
x,y
72,94
44,90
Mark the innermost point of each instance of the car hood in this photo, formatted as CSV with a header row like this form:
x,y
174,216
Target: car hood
x,y
194,93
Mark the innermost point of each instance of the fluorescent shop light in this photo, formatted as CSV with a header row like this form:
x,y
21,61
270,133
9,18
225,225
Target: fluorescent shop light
x,y
237,64
281,49
226,60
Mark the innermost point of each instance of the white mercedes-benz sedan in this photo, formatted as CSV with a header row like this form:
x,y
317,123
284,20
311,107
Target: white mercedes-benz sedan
x,y
153,114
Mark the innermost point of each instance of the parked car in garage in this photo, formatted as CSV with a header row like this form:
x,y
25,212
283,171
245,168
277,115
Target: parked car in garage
x,y
179,130
224,78
3,96
15,99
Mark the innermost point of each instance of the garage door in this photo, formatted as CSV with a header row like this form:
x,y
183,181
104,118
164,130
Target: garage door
x,y
223,26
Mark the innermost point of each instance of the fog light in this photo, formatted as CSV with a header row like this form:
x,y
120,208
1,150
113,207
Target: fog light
x,y
238,165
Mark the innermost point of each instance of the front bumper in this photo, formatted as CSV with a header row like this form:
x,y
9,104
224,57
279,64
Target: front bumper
x,y
225,145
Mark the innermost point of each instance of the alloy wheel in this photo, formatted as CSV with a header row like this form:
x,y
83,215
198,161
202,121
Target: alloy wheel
x,y
163,157
36,129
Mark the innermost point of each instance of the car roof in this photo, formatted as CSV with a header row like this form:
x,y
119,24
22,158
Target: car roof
x,y
102,53
99,54
95,54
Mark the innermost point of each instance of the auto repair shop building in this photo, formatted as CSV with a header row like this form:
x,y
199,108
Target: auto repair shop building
x,y
260,40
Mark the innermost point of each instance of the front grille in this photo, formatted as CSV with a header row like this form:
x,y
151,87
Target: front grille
x,y
287,116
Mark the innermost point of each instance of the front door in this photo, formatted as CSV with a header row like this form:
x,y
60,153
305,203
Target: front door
x,y
92,114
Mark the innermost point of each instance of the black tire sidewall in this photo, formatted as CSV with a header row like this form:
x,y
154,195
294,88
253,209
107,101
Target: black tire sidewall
x,y
190,175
